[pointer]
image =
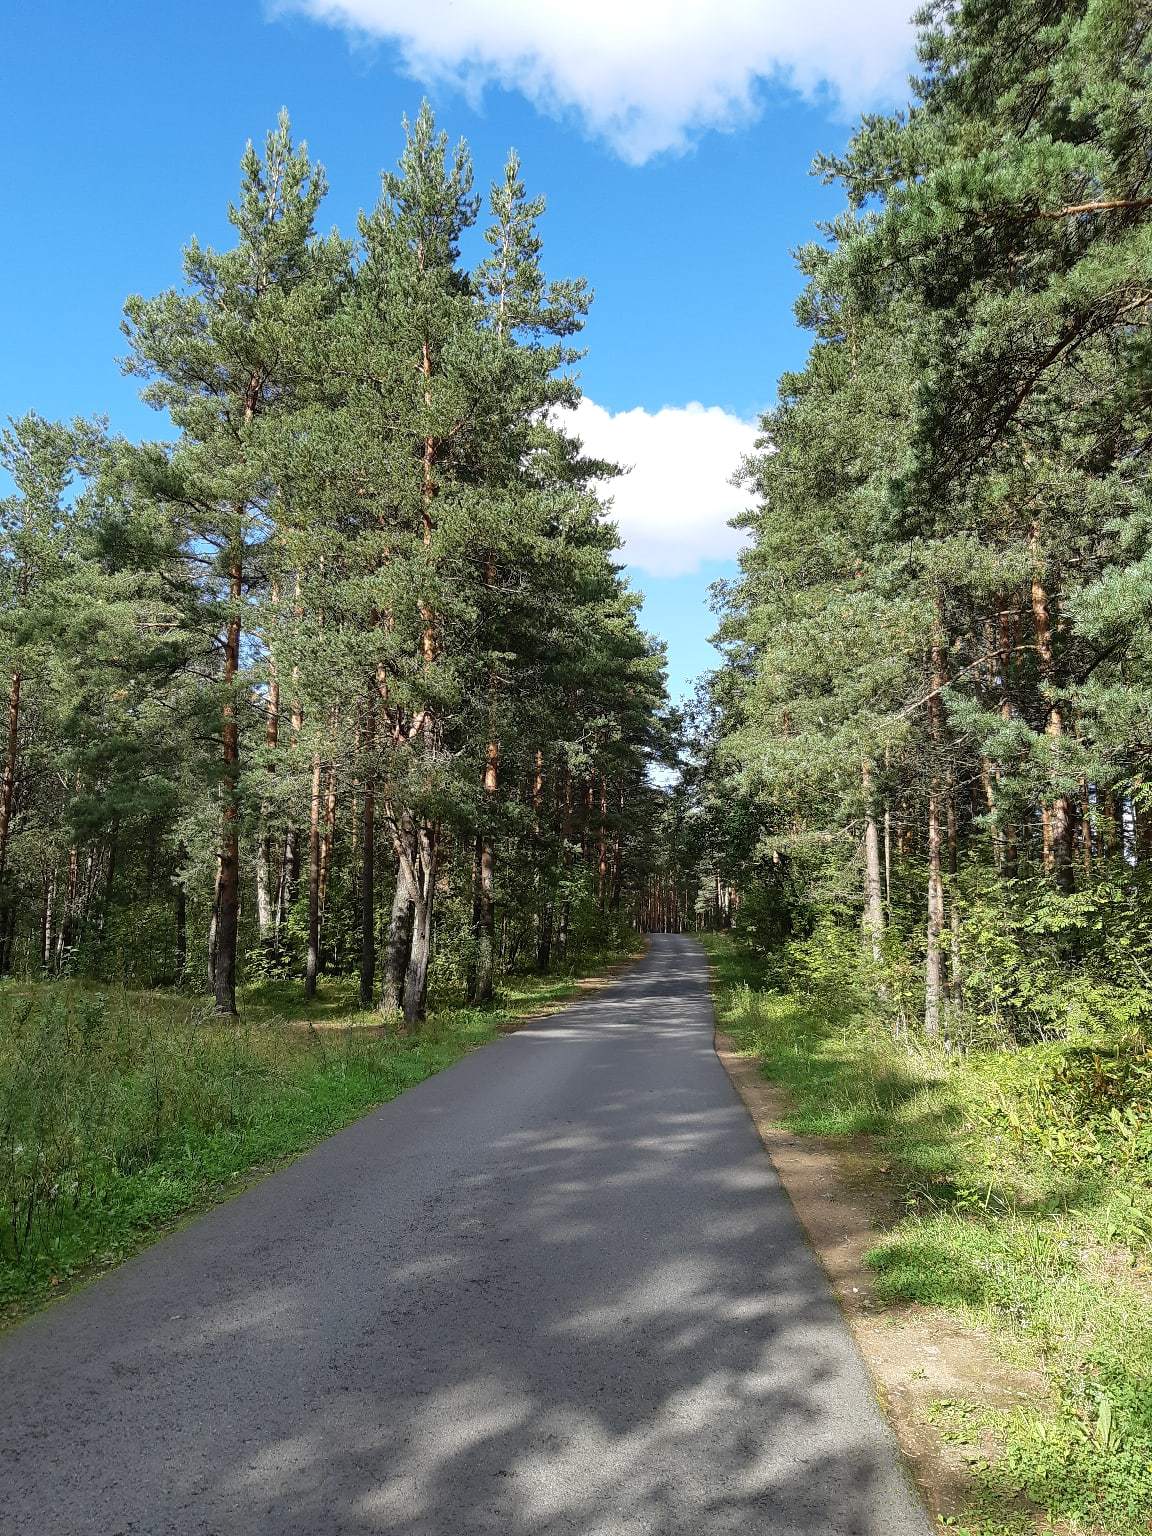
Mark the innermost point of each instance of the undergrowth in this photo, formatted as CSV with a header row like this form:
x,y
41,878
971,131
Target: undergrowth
x,y
121,1112
1025,1175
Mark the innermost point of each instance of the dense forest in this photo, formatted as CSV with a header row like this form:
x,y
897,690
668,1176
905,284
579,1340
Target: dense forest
x,y
343,670
934,717
918,792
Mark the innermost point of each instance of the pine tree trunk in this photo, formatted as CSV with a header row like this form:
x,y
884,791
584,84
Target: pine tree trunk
x,y
228,889
368,895
8,786
484,904
397,944
420,953
1058,820
933,969
312,961
873,890
265,911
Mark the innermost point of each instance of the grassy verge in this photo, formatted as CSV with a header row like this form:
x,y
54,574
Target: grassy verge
x,y
123,1112
1024,1175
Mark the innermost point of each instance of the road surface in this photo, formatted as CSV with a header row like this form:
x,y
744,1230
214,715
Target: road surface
x,y
554,1291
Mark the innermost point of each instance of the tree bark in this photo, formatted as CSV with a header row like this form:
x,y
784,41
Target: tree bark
x,y
423,883
228,889
312,960
397,943
368,889
484,903
46,921
1058,822
873,889
933,969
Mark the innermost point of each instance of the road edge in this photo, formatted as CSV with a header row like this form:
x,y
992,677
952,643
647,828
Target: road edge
x,y
915,1356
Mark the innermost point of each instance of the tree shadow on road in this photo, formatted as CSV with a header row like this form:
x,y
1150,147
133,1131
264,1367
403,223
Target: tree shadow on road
x,y
600,1321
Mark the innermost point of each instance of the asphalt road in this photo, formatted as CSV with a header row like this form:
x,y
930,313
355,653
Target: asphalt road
x,y
554,1290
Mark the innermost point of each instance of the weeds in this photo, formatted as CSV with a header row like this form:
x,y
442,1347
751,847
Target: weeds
x,y
120,1112
1025,1180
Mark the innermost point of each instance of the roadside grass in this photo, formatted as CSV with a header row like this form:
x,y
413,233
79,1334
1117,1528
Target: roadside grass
x,y
123,1112
1024,1176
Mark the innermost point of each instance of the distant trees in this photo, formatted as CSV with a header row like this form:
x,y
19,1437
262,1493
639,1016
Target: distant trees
x,y
936,697
347,672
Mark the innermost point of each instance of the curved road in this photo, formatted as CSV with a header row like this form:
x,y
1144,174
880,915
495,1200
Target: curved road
x,y
554,1291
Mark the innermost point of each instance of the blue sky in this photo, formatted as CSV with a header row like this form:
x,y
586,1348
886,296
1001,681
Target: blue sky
x,y
673,145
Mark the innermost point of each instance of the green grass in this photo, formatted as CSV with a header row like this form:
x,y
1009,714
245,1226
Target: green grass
x,y
1024,1175
123,1112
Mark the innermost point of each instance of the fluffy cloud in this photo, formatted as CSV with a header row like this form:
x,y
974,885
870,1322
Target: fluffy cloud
x,y
673,506
643,74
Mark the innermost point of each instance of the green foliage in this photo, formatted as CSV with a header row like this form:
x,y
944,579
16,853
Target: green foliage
x,y
1027,1188
122,1111
368,569
935,701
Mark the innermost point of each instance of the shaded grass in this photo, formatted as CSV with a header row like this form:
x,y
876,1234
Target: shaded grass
x,y
123,1112
1027,1211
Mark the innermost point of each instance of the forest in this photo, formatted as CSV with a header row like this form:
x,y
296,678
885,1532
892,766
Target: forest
x,y
335,694
344,670
934,716
331,726
917,792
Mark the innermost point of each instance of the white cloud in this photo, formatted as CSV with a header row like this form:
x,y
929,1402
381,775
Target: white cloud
x,y
645,75
673,506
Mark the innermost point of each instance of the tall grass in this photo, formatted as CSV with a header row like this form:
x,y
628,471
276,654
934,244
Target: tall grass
x,y
121,1111
1026,1183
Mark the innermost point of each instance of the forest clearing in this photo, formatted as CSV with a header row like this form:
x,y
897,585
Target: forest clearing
x,y
339,745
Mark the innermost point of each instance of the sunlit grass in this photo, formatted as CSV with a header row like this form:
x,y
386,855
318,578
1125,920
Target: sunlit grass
x,y
123,1111
1020,1215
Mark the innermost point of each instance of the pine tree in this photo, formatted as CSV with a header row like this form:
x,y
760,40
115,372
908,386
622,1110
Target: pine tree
x,y
215,357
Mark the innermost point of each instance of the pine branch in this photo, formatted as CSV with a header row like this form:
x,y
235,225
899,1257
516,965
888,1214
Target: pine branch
x,y
1105,205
